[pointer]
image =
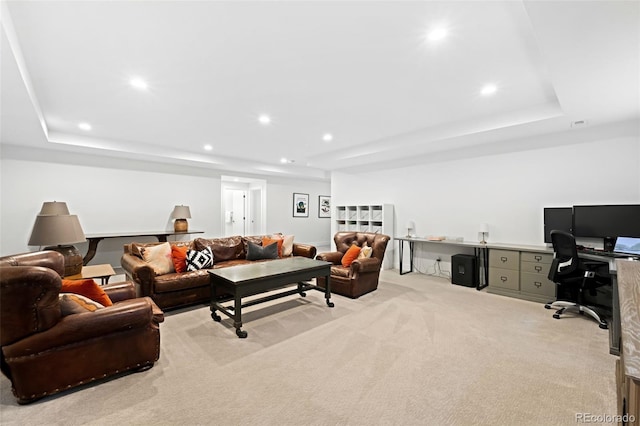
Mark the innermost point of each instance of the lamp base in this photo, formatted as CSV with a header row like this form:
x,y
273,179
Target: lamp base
x,y
484,234
72,259
181,225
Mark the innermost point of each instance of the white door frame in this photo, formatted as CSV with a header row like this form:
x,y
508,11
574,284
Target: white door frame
x,y
256,205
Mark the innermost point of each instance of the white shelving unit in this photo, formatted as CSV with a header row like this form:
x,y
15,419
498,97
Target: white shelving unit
x,y
367,218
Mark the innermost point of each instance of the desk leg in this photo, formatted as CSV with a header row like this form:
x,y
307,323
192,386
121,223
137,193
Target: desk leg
x,y
482,259
401,253
614,330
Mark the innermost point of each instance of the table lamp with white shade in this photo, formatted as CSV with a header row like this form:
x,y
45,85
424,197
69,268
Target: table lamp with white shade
x,y
484,230
58,230
181,214
411,226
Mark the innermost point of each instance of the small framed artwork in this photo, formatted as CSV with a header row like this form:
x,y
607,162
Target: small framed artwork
x,y
324,206
300,205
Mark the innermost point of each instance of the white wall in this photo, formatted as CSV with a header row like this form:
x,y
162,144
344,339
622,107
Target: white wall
x,y
506,191
280,211
109,200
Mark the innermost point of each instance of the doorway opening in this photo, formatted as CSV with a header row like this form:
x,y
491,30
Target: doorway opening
x,y
243,206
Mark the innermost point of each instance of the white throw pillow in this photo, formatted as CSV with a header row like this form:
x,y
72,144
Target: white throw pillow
x,y
159,258
365,251
287,245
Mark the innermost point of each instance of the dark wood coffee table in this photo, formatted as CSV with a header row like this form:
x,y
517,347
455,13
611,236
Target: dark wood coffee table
x,y
256,278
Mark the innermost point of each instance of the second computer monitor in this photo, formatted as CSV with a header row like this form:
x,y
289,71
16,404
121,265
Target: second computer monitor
x,y
557,218
606,221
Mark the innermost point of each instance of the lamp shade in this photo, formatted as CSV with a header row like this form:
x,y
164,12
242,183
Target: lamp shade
x,y
54,207
484,227
56,230
181,212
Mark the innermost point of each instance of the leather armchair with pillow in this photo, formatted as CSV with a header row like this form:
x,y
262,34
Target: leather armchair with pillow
x,y
47,349
357,276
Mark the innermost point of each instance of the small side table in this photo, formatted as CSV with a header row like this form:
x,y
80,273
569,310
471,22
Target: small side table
x,y
104,272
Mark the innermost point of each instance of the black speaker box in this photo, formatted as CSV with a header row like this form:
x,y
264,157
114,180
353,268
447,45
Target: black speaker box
x,y
464,270
609,243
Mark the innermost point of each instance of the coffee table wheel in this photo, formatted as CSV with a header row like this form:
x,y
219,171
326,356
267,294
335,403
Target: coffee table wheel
x,y
241,333
303,294
330,304
216,317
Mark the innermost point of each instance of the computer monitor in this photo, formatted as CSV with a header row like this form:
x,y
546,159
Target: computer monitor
x,y
627,245
558,218
607,221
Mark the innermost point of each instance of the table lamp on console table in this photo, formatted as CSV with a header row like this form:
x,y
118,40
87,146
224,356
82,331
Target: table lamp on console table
x,y
410,226
58,230
484,230
181,214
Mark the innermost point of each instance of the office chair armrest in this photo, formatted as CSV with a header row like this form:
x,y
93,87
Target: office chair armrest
x,y
556,270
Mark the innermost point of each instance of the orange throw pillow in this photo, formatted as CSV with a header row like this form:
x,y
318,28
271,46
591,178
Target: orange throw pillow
x,y
350,255
86,288
179,258
266,241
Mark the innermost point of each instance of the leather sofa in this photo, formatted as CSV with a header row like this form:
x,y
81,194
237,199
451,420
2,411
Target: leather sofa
x,y
177,289
362,275
45,351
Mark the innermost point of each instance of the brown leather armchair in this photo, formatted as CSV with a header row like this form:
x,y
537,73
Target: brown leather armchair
x,y
44,352
363,274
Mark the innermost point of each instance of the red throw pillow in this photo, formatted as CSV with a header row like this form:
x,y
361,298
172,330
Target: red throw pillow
x,y
86,288
266,241
350,255
179,258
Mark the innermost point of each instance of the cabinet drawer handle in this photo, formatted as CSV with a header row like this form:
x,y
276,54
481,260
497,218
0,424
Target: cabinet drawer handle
x,y
503,259
538,268
538,258
503,278
537,284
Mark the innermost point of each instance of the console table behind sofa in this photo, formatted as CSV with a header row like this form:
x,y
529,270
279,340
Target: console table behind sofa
x,y
94,239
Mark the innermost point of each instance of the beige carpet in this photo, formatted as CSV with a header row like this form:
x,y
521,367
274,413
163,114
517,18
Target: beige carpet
x,y
419,351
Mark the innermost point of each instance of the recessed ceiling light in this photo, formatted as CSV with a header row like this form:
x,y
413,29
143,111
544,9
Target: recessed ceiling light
x,y
283,160
264,119
139,83
84,126
286,161
437,34
327,137
488,89
208,148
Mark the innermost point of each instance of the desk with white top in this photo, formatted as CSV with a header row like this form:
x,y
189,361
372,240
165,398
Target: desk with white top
x,y
520,271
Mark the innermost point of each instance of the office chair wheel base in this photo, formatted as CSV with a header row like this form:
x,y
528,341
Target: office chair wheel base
x,y
556,316
603,325
547,306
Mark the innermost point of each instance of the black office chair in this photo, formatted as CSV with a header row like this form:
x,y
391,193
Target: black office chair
x,y
574,277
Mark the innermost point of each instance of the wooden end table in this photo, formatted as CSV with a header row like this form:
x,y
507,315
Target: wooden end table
x,y
104,272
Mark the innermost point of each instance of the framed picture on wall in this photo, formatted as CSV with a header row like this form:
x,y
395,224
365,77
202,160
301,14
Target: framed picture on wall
x,y
324,206
300,205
